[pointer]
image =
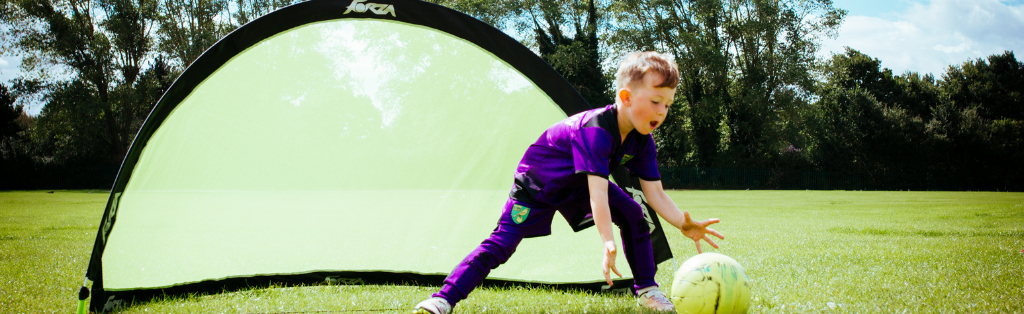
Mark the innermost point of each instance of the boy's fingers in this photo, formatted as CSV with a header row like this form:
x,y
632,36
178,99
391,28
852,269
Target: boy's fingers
x,y
698,246
716,233
706,238
709,222
686,217
604,269
616,271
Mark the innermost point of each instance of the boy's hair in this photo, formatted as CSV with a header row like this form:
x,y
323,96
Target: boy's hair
x,y
636,65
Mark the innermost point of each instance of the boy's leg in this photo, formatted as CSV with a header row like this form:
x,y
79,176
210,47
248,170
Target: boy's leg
x,y
636,236
517,222
474,268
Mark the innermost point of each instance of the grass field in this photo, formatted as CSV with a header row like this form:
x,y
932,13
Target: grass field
x,y
805,251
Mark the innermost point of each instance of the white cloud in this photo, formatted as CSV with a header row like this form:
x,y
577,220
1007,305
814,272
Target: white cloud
x,y
929,37
3,63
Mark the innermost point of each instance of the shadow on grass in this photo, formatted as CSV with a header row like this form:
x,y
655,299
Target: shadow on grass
x,y
128,298
384,298
255,297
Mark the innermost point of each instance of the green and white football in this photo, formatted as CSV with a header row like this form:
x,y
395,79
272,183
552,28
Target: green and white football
x,y
711,283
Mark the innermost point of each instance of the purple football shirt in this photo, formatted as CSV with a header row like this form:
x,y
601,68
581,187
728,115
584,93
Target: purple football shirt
x,y
554,169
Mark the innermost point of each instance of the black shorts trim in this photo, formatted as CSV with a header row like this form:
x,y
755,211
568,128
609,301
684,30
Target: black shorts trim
x,y
592,173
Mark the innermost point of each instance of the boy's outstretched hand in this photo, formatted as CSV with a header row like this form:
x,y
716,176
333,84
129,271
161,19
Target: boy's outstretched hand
x,y
697,231
609,261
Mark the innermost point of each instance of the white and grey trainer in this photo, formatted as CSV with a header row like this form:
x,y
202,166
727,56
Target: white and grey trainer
x,y
654,299
433,306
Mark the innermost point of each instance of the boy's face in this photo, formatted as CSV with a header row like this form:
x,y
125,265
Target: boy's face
x,y
647,105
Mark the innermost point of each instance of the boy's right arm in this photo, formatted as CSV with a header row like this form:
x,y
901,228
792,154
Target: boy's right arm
x,y
663,205
603,220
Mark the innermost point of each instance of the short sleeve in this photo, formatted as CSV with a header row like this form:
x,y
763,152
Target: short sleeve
x,y
591,151
645,164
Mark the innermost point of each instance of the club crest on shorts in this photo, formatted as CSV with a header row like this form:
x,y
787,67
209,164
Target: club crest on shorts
x,y
519,213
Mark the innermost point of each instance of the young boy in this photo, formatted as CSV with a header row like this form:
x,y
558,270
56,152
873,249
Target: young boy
x,y
567,171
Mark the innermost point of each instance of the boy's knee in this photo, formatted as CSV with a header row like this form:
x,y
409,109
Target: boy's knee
x,y
498,248
629,217
483,260
642,226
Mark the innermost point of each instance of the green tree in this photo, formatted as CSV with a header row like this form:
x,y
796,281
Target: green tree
x,y
507,15
976,133
909,131
995,87
189,27
863,123
15,161
1005,138
912,92
577,58
9,114
959,150
13,123
248,10
775,44
854,69
838,127
851,132
744,72
100,47
918,94
71,127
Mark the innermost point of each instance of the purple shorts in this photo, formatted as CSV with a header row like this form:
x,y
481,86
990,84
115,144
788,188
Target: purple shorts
x,y
530,220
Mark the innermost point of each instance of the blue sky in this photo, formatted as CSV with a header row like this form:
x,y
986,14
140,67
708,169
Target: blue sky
x,y
927,36
8,68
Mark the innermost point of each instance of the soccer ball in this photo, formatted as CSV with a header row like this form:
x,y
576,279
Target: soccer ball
x,y
711,283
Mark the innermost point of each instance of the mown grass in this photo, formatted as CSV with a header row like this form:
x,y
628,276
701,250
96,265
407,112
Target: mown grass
x,y
45,243
805,251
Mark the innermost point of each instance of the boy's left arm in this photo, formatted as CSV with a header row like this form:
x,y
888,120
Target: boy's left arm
x,y
666,208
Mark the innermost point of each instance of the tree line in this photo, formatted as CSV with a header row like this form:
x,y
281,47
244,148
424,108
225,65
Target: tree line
x,y
753,93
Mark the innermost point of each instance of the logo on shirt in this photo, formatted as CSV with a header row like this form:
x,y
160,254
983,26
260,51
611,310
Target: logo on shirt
x,y
519,213
626,158
376,8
